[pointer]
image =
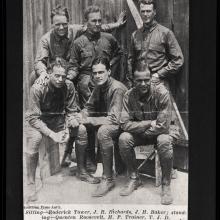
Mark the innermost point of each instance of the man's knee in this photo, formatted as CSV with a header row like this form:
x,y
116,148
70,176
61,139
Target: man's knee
x,y
165,145
103,132
104,136
125,140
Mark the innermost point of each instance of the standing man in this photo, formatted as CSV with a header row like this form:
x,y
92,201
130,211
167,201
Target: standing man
x,y
93,43
145,119
102,112
53,108
154,44
57,41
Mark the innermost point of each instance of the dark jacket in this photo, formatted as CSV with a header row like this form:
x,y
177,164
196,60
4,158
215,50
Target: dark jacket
x,y
50,106
87,47
155,107
52,46
105,102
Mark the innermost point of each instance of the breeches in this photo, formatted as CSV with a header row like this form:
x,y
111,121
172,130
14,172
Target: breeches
x,y
164,146
164,143
106,135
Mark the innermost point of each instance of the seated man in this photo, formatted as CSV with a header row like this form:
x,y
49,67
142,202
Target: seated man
x,y
53,109
145,119
102,111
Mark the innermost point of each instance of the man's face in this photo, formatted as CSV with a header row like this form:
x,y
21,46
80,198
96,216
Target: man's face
x,y
94,22
147,13
142,81
58,76
60,25
100,74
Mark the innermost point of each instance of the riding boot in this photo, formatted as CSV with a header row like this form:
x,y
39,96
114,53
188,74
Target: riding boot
x,y
120,167
166,167
31,163
107,161
129,158
66,160
91,164
83,175
107,182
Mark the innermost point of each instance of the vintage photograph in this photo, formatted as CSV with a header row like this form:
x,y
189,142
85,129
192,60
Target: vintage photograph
x,y
105,103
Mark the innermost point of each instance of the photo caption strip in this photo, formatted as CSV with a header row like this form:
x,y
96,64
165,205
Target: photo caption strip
x,y
102,212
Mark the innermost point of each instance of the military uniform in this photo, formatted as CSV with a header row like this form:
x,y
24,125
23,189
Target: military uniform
x,y
84,50
158,47
103,109
51,46
51,109
147,121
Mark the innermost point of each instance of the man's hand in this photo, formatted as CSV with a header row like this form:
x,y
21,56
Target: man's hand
x,y
72,122
78,117
155,78
71,75
42,79
65,135
122,18
60,137
155,75
82,118
146,123
153,123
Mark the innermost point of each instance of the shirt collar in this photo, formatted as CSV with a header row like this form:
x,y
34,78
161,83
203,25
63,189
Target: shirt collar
x,y
150,28
52,88
92,36
146,99
106,85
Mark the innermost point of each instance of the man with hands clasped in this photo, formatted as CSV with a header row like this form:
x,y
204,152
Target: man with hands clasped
x,y
52,113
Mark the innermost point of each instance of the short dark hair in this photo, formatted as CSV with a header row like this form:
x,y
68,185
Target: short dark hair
x,y
103,60
59,10
58,62
91,9
142,67
148,2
